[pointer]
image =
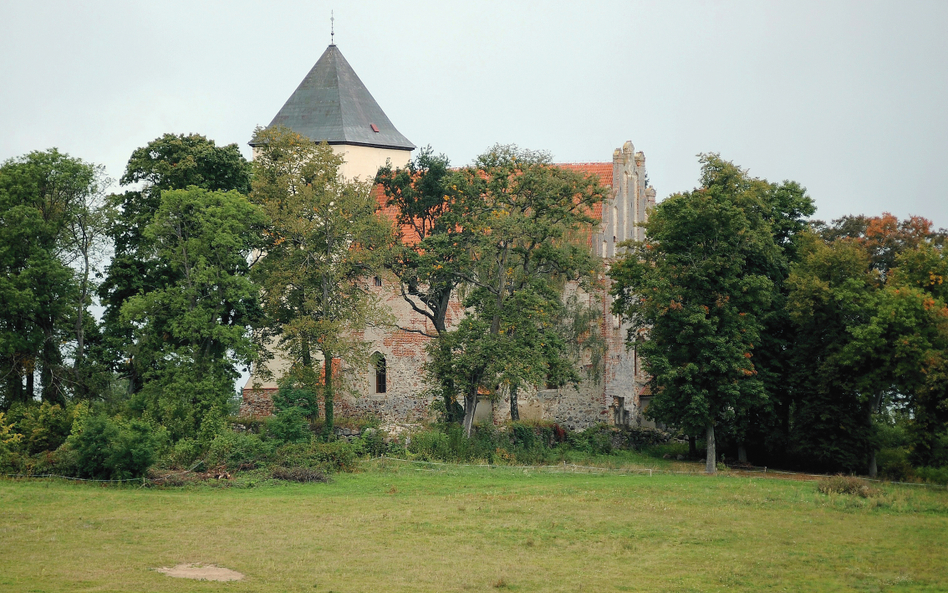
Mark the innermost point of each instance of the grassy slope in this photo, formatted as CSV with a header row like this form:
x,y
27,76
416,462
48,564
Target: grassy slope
x,y
401,529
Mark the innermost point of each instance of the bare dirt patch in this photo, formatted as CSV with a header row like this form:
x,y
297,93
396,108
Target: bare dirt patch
x,y
201,572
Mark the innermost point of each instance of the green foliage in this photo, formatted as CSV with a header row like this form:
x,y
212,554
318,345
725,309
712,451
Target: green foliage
x,y
50,233
195,329
184,454
292,394
934,475
372,443
45,426
171,162
525,225
335,456
289,426
594,441
115,449
238,450
695,293
324,237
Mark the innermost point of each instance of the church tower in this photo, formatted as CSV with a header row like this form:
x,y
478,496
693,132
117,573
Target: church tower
x,y
332,104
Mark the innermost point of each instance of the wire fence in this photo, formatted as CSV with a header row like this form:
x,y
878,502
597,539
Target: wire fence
x,y
565,467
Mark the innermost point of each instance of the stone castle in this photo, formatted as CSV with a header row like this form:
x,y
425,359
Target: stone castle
x,y
332,104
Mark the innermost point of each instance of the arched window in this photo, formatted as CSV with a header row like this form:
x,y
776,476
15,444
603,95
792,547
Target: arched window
x,y
378,363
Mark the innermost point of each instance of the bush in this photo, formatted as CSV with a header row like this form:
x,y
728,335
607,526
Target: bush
x,y
238,450
595,440
298,474
115,449
847,485
337,456
289,426
894,464
372,443
935,475
292,394
44,426
184,454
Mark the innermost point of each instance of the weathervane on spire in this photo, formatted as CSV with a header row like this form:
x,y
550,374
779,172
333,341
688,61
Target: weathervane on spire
x,y
332,28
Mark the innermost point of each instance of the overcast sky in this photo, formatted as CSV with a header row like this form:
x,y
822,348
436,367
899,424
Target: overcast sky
x,y
850,99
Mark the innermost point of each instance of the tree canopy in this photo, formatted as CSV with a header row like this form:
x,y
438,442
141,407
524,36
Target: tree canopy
x,y
325,238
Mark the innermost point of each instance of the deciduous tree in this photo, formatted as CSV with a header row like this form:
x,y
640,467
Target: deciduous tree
x,y
325,239
694,292
196,329
528,225
166,163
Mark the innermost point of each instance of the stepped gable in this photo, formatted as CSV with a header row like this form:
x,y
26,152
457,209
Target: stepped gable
x,y
332,105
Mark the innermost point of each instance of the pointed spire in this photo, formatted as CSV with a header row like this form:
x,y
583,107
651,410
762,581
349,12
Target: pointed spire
x,y
332,104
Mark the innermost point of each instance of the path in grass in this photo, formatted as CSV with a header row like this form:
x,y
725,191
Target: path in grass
x,y
401,528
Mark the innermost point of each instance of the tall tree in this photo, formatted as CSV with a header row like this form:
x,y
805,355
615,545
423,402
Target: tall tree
x,y
196,329
528,225
325,238
48,211
832,291
696,290
166,163
431,255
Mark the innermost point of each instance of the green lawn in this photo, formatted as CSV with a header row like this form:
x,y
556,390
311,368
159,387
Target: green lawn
x,y
402,528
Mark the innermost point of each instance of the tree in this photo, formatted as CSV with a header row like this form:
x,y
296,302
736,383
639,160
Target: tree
x,y
196,328
166,163
871,317
694,292
527,227
49,221
325,238
832,291
431,255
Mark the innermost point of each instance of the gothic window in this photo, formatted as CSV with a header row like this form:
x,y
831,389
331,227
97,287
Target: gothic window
x,y
378,363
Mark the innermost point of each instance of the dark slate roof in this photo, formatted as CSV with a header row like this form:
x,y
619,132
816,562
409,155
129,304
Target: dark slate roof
x,y
332,104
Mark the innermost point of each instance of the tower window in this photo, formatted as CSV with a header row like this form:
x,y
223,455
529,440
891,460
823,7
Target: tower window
x,y
378,363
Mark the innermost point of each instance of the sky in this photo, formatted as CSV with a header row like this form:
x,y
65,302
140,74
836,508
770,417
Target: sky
x,y
850,99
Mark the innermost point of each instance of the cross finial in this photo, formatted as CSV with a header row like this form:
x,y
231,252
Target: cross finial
x,y
332,28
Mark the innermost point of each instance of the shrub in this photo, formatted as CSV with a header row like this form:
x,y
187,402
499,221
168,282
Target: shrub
x,y
595,440
337,456
847,485
293,394
298,474
44,426
184,453
372,443
935,475
115,449
238,450
289,426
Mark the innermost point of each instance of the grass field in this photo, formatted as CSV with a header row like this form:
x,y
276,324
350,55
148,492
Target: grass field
x,y
398,527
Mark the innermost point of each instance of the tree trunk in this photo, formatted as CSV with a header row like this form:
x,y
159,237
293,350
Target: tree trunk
x,y
514,407
692,446
328,396
741,454
710,462
873,468
470,404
